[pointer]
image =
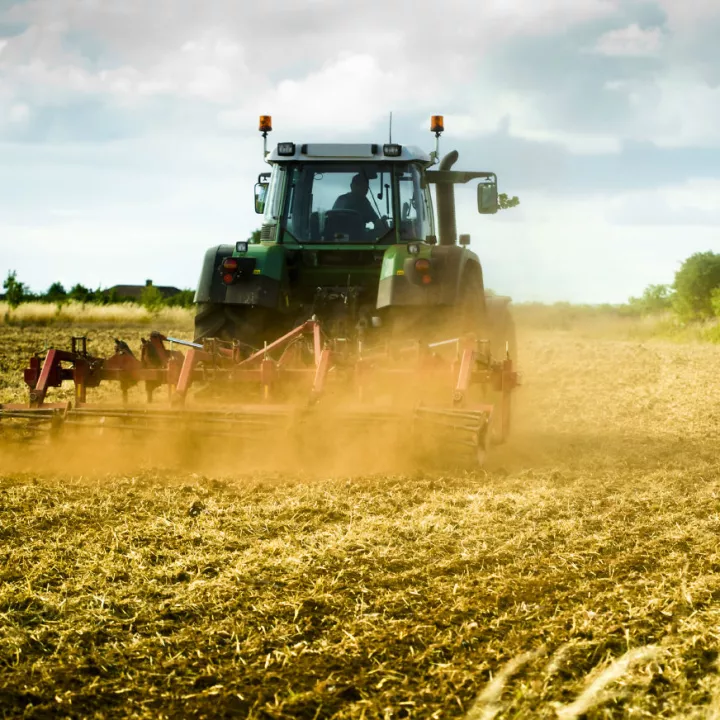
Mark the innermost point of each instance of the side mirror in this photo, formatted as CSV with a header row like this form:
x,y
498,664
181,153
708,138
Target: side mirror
x,y
487,197
260,194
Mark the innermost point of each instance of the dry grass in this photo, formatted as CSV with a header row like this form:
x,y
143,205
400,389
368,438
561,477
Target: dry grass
x,y
75,313
579,576
614,322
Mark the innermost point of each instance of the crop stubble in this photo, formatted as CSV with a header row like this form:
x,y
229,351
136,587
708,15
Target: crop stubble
x,y
268,595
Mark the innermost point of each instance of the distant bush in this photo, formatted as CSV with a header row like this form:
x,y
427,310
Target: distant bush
x,y
655,299
56,294
151,299
184,299
695,284
79,293
15,291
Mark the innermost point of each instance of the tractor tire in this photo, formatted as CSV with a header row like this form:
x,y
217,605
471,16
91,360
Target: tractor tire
x,y
470,314
210,321
249,325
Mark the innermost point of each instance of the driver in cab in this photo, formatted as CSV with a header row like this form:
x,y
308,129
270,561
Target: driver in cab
x,y
357,201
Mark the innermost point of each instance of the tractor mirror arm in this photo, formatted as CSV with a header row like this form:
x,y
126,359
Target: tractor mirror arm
x,y
455,177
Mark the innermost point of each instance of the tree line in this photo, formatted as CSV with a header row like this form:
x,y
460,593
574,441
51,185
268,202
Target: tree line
x,y
694,294
17,292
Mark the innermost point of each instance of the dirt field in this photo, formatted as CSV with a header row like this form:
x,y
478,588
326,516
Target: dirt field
x,y
578,576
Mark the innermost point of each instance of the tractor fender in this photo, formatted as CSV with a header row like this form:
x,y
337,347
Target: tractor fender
x,y
456,265
451,268
259,290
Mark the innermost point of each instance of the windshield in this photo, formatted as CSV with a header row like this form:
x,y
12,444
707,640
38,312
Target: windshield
x,y
339,203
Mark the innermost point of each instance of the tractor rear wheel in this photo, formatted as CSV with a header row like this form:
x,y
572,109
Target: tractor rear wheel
x,y
471,312
250,325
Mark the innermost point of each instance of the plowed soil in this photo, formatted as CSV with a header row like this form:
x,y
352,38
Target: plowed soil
x,y
578,575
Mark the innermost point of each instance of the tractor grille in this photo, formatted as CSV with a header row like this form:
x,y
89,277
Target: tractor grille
x,y
348,258
267,232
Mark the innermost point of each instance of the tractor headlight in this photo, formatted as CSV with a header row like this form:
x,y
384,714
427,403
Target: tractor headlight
x,y
241,246
286,148
413,248
392,150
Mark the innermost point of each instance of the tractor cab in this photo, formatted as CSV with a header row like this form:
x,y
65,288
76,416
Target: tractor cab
x,y
348,230
345,194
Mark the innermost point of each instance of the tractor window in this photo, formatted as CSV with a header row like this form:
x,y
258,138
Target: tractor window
x,y
340,203
273,206
415,221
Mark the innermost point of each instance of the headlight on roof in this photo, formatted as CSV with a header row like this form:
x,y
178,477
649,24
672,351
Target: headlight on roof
x,y
392,150
286,148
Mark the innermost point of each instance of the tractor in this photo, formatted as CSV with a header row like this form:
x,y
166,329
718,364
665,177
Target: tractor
x,y
351,312
349,235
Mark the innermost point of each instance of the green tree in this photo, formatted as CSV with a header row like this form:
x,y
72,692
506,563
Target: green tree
x,y
185,298
655,299
79,293
255,236
15,291
505,202
151,298
694,283
56,293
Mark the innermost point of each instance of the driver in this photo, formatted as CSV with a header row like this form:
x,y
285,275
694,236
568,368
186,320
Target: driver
x,y
357,201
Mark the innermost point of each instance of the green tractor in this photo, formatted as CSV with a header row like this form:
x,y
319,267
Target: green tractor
x,y
350,236
348,319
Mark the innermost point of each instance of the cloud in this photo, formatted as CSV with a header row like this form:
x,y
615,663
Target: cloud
x,y
691,203
237,55
19,113
630,41
322,99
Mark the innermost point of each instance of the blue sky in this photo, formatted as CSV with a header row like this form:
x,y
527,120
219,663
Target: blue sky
x,y
128,138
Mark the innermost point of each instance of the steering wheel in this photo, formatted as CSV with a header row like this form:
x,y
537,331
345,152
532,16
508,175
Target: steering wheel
x,y
338,221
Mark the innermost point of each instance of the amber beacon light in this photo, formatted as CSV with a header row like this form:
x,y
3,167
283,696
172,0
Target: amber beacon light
x,y
437,124
265,124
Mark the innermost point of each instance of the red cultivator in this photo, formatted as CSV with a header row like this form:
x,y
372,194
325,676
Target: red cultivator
x,y
301,385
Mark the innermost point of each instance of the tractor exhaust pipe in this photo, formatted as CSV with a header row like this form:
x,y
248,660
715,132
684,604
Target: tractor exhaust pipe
x,y
445,193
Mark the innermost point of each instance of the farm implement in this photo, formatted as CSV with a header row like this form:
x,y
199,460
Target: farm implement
x,y
344,317
303,389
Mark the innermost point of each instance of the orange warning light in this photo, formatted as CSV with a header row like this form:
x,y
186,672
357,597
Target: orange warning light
x,y
437,123
265,123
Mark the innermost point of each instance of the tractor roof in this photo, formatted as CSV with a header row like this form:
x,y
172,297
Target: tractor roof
x,y
357,152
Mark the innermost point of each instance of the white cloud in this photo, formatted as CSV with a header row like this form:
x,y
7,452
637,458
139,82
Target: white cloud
x,y
349,94
211,68
630,41
19,113
688,14
691,203
676,110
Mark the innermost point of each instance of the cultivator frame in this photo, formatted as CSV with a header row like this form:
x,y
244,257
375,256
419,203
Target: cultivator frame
x,y
301,357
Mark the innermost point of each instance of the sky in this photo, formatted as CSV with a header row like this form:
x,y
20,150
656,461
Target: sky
x,y
129,143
